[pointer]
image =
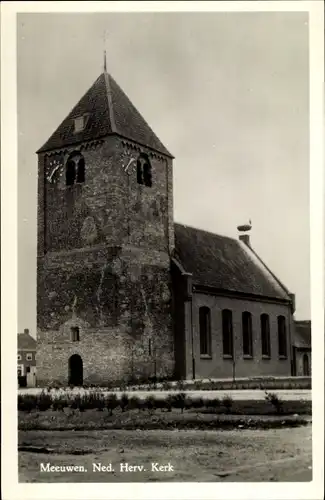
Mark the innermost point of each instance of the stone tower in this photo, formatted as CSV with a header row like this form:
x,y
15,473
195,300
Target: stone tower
x,y
105,236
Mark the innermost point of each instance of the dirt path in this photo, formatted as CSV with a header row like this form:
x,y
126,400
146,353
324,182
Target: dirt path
x,y
237,455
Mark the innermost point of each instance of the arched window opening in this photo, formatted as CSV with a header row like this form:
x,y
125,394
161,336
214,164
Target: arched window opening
x,y
70,172
75,169
75,367
265,334
147,173
139,172
205,331
227,333
75,334
282,337
81,170
144,173
247,334
306,367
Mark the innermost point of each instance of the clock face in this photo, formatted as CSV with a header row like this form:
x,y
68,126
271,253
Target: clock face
x,y
128,162
54,169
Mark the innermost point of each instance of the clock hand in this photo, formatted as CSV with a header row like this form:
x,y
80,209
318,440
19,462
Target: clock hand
x,y
126,168
53,172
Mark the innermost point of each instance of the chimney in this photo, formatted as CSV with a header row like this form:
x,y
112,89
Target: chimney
x,y
244,232
26,331
245,239
293,302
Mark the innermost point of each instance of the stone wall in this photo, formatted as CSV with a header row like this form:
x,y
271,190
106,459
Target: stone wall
x,y
103,265
110,206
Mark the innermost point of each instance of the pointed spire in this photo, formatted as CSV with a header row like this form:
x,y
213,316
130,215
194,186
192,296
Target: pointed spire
x,y
105,62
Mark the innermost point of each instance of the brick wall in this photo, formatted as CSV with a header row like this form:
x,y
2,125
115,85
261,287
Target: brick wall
x,y
24,361
299,361
217,366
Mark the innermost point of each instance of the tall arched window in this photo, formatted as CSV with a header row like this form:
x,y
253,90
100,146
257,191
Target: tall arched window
x,y
205,331
282,337
247,334
227,333
144,174
265,334
75,169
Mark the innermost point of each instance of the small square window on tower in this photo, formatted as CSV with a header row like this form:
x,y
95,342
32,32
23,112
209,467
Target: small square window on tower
x,y
79,124
74,334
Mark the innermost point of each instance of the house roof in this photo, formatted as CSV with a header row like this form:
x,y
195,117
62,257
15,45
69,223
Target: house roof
x,y
224,263
25,341
302,334
108,111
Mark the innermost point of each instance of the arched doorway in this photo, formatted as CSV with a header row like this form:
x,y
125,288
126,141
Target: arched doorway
x,y
75,370
306,368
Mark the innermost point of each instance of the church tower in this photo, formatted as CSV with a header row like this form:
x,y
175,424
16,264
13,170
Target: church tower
x,y
105,237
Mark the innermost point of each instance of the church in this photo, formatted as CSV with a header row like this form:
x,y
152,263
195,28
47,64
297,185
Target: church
x,y
123,292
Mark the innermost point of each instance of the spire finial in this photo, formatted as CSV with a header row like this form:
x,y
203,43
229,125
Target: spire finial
x,y
105,62
104,43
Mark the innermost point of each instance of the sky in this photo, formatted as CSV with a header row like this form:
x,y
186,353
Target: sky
x,y
227,94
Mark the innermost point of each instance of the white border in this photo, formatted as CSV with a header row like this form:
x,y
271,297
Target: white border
x,y
11,489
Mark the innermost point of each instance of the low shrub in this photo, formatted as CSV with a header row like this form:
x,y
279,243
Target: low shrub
x,y
180,385
26,402
150,403
81,402
169,402
215,403
274,399
179,401
198,385
188,403
227,402
94,400
60,402
43,401
134,403
124,401
160,403
100,403
197,402
166,385
111,402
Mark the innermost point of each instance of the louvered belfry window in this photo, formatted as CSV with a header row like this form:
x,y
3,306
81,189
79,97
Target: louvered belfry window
x,y
144,170
75,169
